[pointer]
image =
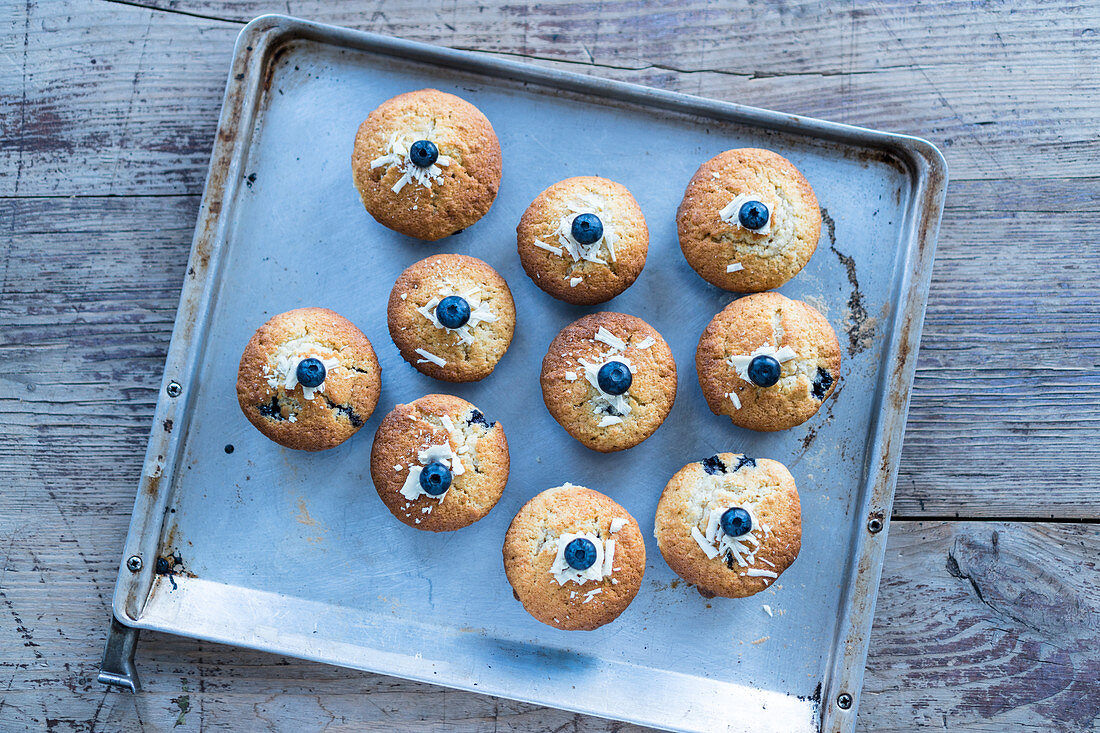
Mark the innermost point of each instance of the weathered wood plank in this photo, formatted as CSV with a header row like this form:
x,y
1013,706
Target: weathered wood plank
x,y
986,626
989,88
972,633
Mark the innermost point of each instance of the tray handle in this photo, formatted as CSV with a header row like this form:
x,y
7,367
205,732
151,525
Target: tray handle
x,y
117,668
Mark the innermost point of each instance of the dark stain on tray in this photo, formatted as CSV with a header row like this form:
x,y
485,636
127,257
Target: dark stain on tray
x,y
859,327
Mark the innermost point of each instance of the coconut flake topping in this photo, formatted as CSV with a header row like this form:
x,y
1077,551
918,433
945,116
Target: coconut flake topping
x,y
740,362
397,155
281,369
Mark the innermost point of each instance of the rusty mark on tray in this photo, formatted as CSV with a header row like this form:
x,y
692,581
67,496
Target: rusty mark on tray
x,y
171,566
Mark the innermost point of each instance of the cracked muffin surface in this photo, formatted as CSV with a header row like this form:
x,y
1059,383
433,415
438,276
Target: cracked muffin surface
x,y
542,579
692,536
465,353
720,248
441,198
570,380
580,271
790,332
447,430
308,417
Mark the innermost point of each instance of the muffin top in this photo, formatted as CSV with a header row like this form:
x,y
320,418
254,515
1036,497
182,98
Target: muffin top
x,y
730,524
438,463
749,221
452,317
609,379
768,362
583,240
570,526
427,164
318,404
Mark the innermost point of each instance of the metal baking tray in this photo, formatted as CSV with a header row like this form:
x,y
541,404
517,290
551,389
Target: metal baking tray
x,y
264,547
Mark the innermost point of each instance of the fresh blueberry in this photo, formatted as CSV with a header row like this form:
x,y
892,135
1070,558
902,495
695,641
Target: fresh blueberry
x,y
311,372
753,215
713,465
587,228
423,153
580,554
736,521
453,311
614,377
764,370
435,478
822,381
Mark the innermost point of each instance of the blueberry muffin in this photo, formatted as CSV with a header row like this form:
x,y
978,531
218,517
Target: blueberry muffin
x,y
583,240
768,362
574,557
730,524
609,379
438,464
308,379
452,317
427,164
749,221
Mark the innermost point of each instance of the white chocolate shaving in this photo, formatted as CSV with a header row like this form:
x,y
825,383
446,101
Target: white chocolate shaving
x,y
599,570
760,573
428,356
740,362
397,155
602,334
730,213
281,369
618,523
735,267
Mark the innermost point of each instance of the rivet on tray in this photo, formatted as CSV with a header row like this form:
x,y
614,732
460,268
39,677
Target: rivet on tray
x,y
844,701
874,525
133,563
174,389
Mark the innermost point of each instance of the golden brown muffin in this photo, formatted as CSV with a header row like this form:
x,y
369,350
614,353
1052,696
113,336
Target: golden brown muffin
x,y
448,430
578,273
712,236
770,326
464,354
543,581
601,420
438,200
296,416
690,532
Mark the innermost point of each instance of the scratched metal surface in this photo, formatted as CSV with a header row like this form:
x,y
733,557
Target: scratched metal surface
x,y
294,552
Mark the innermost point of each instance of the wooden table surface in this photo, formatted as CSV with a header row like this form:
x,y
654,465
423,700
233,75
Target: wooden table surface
x,y
988,616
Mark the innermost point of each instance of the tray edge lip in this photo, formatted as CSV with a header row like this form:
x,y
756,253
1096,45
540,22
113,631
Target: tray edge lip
x,y
925,168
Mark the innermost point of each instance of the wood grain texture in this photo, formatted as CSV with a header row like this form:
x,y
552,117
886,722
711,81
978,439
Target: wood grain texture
x,y
107,116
